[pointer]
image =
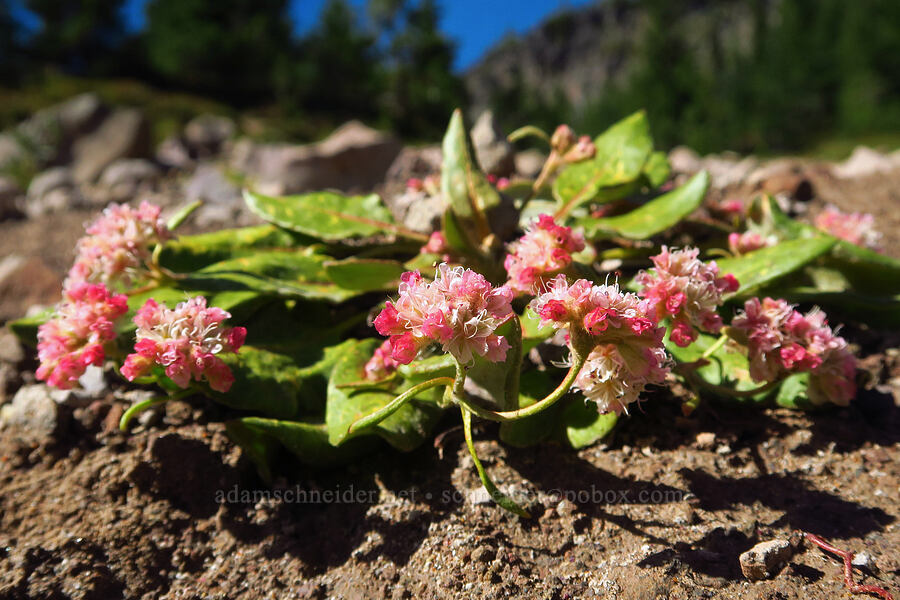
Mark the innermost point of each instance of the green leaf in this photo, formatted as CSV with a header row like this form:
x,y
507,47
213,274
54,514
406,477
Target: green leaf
x,y
532,332
849,305
727,367
499,381
327,216
867,271
653,217
279,385
181,215
365,274
585,425
406,429
192,252
308,442
657,169
768,264
522,433
441,365
265,383
297,273
793,392
622,152
467,191
26,328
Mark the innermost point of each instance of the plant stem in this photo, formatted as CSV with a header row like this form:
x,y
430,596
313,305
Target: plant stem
x,y
140,407
533,409
716,345
847,556
496,495
395,404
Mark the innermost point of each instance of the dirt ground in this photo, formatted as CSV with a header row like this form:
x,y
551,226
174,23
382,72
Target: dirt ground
x,y
663,509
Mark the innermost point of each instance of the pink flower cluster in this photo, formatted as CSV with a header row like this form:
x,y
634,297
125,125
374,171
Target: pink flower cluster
x,y
614,379
742,243
187,341
74,338
617,331
856,228
459,310
544,250
683,287
118,245
381,364
781,341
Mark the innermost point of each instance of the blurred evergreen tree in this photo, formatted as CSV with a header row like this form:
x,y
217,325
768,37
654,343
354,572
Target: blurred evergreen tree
x,y
79,37
422,89
228,49
336,70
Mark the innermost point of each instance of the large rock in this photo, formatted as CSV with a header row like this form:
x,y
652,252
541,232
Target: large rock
x,y
124,178
205,135
354,158
11,151
529,163
124,134
52,191
223,204
865,162
495,154
81,114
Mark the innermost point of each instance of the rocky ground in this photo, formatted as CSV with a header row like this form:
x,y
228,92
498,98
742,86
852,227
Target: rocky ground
x,y
663,509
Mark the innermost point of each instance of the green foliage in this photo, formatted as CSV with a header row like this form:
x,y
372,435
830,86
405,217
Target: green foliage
x,y
314,382
325,215
653,217
405,429
192,43
622,152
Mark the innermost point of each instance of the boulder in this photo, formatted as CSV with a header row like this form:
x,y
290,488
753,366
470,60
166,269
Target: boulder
x,y
173,152
355,158
11,151
51,191
530,162
205,135
864,162
123,179
684,160
494,153
223,204
10,195
81,114
124,134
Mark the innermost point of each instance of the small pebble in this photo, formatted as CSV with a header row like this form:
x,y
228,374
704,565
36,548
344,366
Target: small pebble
x,y
765,559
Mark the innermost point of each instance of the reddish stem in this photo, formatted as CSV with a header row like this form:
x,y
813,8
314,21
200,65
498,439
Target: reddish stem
x,y
854,587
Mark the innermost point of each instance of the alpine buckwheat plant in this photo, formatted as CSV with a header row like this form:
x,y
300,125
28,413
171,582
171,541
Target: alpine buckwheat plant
x,y
507,291
545,250
117,248
686,290
187,341
856,228
77,334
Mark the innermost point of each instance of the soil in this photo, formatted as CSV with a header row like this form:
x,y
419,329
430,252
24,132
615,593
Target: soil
x,y
663,509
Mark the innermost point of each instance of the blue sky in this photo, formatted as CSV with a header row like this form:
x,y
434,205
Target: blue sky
x,y
475,25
